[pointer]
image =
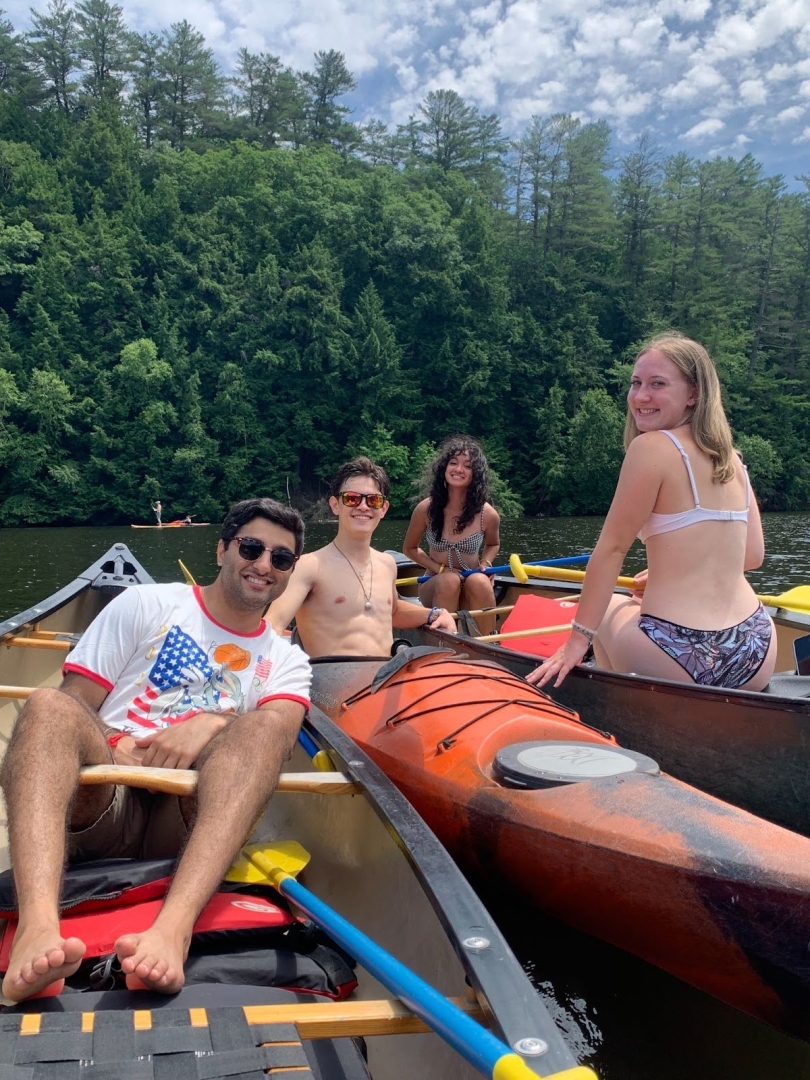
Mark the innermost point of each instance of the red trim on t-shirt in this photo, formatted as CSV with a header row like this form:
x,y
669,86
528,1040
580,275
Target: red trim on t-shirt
x,y
222,626
285,697
92,675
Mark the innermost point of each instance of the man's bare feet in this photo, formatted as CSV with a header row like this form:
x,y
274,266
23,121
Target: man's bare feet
x,y
38,958
154,959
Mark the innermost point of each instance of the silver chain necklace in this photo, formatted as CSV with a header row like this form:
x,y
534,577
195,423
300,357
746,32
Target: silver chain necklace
x,y
360,576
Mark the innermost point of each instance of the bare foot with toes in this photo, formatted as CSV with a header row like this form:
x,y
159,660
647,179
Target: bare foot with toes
x,y
38,958
153,960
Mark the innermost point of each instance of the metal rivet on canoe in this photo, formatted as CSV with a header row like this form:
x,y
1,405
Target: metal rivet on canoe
x,y
357,764
531,1047
474,944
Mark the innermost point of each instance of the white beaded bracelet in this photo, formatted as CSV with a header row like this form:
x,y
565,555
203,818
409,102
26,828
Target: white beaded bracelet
x,y
584,630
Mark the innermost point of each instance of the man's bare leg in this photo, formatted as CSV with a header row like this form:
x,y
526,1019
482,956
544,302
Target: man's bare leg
x,y
238,772
53,737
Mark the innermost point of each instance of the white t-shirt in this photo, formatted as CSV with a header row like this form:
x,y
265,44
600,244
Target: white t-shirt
x,y
162,658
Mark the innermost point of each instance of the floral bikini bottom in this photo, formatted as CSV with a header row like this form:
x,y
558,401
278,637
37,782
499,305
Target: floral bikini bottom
x,y
729,657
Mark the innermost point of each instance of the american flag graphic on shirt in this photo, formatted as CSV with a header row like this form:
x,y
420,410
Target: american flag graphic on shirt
x,y
263,668
181,664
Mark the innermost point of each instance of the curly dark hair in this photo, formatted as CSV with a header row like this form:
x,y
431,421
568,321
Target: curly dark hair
x,y
476,493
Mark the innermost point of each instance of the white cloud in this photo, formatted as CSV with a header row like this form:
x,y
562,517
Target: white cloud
x,y
753,92
685,69
792,113
704,128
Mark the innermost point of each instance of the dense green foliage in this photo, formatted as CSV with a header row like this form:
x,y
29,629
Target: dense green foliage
x,y
212,287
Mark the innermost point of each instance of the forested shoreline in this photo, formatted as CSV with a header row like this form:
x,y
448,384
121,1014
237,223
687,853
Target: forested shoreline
x,y
215,284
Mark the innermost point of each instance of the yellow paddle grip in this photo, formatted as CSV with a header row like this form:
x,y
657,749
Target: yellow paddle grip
x,y
513,1067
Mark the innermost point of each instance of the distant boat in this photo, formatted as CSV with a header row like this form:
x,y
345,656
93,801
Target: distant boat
x,y
175,525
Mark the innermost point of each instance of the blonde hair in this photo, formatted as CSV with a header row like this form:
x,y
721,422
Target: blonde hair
x,y
710,427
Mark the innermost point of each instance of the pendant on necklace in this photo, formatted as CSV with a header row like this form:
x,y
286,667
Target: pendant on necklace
x,y
368,605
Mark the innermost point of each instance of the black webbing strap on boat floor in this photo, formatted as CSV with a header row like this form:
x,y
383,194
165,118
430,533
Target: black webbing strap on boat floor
x,y
161,1044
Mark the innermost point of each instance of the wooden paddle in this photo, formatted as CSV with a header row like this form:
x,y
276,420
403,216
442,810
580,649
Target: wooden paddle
x,y
280,863
485,611
795,599
526,633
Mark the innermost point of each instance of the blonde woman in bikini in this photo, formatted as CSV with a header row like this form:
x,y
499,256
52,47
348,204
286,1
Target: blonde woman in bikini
x,y
461,530
685,493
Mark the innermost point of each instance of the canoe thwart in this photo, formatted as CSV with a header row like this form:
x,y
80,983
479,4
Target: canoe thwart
x,y
19,693
38,643
184,781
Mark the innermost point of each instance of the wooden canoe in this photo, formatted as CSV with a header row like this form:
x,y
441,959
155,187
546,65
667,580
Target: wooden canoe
x,y
749,749
176,525
700,888
373,860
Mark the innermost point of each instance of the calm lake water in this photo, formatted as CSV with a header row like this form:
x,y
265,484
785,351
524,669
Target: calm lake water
x,y
628,1020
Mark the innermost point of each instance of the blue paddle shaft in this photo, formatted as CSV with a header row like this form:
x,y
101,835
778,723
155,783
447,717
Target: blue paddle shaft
x,y
308,743
474,1043
508,570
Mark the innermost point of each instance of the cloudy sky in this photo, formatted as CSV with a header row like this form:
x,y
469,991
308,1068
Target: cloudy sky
x,y
704,77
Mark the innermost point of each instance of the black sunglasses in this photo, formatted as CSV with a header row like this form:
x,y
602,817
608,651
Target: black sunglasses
x,y
374,501
250,550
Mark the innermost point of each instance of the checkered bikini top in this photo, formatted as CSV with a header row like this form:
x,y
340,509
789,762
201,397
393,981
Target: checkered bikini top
x,y
470,545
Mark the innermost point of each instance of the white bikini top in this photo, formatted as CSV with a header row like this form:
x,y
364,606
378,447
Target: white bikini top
x,y
664,523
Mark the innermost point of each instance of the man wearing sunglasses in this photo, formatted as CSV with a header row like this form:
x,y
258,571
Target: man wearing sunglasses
x,y
343,597
169,676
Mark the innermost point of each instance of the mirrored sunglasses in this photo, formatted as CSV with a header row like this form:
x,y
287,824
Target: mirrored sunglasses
x,y
251,549
375,501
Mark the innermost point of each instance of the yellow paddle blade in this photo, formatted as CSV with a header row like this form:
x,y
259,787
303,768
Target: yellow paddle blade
x,y
406,581
186,573
322,762
796,599
262,863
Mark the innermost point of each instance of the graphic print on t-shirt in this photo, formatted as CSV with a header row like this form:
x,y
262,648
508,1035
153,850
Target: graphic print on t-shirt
x,y
182,682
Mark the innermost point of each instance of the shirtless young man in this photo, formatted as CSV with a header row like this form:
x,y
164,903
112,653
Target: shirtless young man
x,y
343,597
167,676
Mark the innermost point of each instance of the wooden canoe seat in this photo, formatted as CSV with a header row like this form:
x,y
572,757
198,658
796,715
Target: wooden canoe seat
x,y
327,1020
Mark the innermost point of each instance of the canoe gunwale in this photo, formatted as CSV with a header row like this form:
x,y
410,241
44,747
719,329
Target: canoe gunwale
x,y
452,898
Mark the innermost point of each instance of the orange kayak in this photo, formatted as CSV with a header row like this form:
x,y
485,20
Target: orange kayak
x,y
522,792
